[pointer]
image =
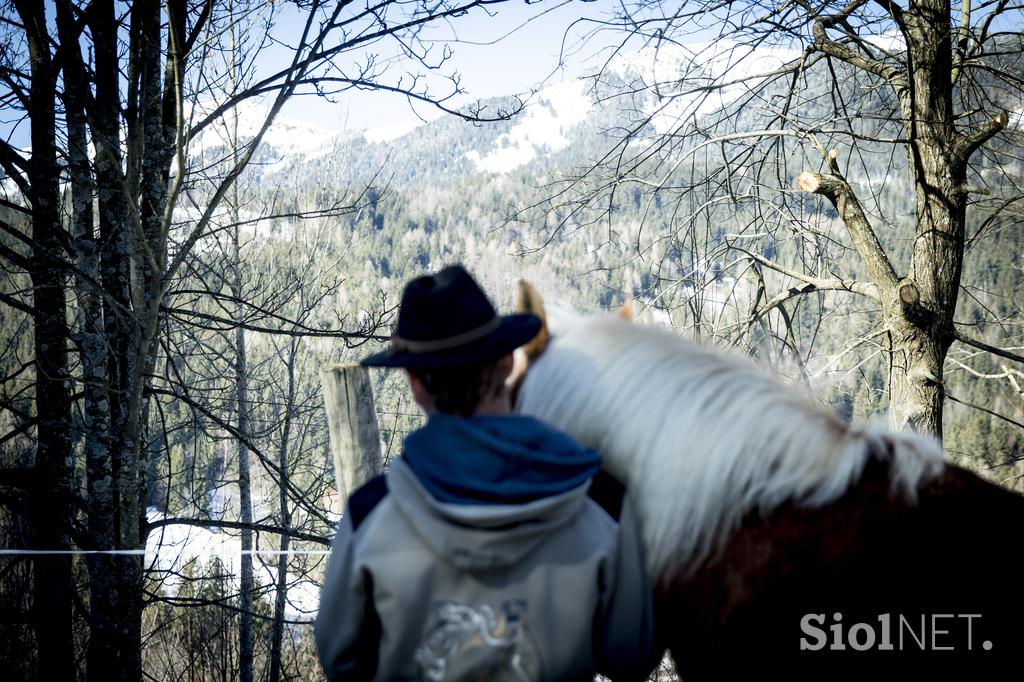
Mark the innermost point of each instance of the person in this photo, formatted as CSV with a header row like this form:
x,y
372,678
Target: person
x,y
492,549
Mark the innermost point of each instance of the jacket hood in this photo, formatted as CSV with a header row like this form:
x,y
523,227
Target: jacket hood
x,y
483,492
510,459
480,536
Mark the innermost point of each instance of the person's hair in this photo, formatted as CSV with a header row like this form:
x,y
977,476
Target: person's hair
x,y
461,389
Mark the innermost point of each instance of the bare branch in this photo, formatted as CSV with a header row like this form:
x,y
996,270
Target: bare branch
x,y
968,143
981,345
893,76
815,283
835,188
985,410
13,164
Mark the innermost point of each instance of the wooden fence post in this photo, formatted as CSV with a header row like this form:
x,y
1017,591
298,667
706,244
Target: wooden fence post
x,y
352,423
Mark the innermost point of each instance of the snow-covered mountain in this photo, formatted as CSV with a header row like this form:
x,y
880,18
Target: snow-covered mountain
x,y
559,126
564,125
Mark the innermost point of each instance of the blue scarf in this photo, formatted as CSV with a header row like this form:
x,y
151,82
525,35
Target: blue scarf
x,y
496,460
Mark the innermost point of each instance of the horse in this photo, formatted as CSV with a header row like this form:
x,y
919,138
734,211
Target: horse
x,y
776,534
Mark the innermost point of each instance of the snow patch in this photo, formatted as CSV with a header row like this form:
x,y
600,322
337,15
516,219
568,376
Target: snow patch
x,y
502,160
653,64
288,137
889,41
698,78
1016,119
656,316
10,190
686,74
541,127
170,548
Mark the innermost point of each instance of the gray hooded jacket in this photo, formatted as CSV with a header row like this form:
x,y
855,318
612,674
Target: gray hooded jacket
x,y
552,589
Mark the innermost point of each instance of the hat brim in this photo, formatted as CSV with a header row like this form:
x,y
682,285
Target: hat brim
x,y
513,331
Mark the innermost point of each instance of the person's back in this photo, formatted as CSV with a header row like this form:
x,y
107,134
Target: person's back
x,y
490,550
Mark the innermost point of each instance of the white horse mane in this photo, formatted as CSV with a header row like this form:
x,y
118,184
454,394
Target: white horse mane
x,y
702,437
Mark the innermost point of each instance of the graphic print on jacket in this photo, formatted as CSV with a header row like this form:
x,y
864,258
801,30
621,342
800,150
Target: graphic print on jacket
x,y
464,643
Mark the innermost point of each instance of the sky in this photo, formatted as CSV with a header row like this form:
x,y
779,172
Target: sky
x,y
498,54
499,51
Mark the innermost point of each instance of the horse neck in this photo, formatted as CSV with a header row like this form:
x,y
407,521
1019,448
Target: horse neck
x,y
699,436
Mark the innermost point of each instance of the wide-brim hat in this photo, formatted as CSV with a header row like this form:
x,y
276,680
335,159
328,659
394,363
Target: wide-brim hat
x,y
445,319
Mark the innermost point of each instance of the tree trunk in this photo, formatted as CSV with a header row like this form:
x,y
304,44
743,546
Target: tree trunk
x,y
280,601
54,484
922,329
102,654
146,252
105,659
245,619
915,373
245,629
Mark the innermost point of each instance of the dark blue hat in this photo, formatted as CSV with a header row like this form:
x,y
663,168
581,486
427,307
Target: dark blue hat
x,y
445,319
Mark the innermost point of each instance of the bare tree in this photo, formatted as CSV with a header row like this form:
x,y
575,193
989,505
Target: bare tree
x,y
742,111
113,106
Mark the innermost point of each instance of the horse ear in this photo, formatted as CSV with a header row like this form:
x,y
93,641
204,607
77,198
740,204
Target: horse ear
x,y
626,311
529,301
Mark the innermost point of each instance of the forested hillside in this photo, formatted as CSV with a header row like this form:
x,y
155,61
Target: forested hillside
x,y
431,201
